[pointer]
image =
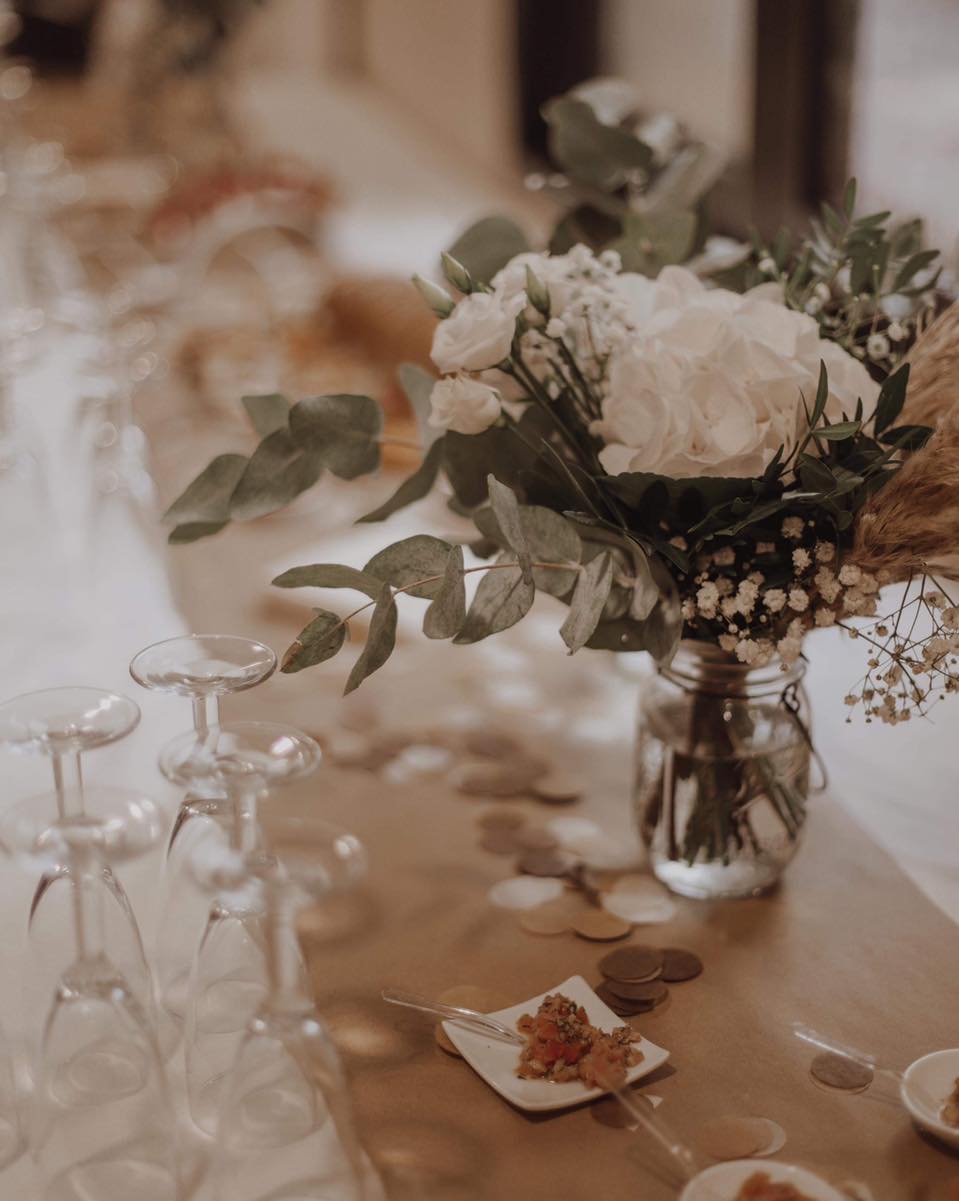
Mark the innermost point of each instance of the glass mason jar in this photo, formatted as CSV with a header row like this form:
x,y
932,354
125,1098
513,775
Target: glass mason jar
x,y
722,772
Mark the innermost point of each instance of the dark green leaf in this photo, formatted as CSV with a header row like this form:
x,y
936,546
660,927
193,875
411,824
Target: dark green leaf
x,y
840,431
469,458
822,396
487,246
413,488
267,413
417,558
317,642
620,634
342,431
645,592
588,602
206,501
907,437
278,471
379,642
815,475
892,396
915,263
330,575
602,155
502,599
447,612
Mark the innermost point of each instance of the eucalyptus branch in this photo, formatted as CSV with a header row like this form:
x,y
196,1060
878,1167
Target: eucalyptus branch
x,y
435,579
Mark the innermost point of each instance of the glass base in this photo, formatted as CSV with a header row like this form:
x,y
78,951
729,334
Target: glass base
x,y
716,880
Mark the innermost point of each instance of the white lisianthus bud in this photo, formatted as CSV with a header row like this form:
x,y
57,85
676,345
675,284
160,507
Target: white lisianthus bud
x,y
456,273
478,334
537,292
436,297
464,405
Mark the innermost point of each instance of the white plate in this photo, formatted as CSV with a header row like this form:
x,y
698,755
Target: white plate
x,y
496,1060
723,1181
925,1086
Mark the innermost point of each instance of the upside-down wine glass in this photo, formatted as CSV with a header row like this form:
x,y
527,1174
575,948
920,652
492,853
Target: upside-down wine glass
x,y
229,975
285,1127
103,1126
203,667
62,723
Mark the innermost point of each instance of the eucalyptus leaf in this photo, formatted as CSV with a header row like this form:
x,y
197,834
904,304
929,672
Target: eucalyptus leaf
x,y
645,591
502,599
413,488
278,471
655,240
602,155
506,510
330,575
379,642
588,602
341,430
550,537
447,611
318,641
416,558
267,413
587,225
487,246
206,501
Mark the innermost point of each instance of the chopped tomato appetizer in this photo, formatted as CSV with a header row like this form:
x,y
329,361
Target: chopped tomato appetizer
x,y
561,1045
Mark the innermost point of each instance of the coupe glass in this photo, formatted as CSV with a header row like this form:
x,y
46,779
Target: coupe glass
x,y
245,760
285,1126
202,667
62,723
103,1121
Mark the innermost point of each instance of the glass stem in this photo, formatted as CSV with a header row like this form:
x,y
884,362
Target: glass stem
x,y
283,949
244,835
206,713
87,915
68,782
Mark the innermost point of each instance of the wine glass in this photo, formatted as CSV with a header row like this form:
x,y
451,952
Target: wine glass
x,y
11,1127
103,1121
203,667
62,723
245,760
285,1125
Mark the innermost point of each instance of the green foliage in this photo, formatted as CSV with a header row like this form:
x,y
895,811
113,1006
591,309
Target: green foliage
x,y
604,156
486,247
445,616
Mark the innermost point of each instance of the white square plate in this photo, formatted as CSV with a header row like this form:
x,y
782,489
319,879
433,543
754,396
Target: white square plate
x,y
496,1060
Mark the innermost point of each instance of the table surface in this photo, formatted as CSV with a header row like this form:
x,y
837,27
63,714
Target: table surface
x,y
847,945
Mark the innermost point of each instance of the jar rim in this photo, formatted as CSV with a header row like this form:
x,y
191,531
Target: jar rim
x,y
708,668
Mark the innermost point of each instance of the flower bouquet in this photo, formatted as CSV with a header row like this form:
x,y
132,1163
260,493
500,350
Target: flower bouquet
x,y
704,473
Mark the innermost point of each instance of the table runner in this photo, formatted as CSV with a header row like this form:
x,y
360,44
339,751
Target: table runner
x,y
847,945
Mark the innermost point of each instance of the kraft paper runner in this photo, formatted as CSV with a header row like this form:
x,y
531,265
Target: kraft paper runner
x,y
847,945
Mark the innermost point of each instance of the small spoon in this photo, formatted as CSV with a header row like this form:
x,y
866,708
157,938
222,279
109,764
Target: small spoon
x,y
721,1181
867,1060
455,1013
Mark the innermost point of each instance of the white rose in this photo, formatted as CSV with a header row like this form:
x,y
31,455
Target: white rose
x,y
478,333
709,382
463,405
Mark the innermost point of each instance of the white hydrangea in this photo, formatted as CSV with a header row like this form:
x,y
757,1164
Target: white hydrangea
x,y
707,382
